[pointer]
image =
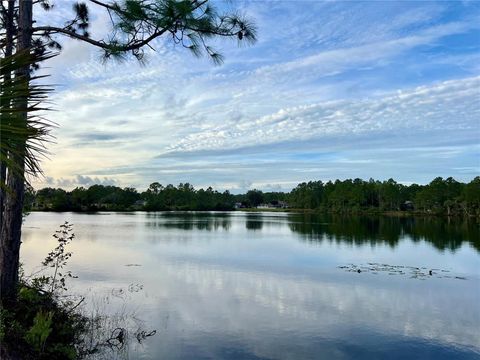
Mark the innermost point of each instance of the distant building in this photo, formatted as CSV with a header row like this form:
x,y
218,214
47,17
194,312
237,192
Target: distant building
x,y
273,205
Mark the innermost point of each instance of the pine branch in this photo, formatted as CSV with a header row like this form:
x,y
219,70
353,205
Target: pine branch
x,y
130,46
100,43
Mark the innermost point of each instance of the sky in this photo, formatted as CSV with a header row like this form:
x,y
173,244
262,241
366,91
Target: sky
x,y
336,89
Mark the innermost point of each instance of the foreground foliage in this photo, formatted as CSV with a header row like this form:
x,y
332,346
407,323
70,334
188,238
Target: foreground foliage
x,y
43,322
41,327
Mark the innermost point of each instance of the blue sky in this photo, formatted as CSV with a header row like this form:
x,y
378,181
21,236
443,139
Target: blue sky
x,y
331,90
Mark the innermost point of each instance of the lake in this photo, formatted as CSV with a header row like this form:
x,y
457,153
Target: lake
x,y
234,285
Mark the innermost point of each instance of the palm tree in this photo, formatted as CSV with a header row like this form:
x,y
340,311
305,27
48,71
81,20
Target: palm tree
x,y
22,141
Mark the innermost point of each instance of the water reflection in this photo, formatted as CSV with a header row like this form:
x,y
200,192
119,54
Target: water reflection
x,y
251,286
189,220
254,222
442,233
270,316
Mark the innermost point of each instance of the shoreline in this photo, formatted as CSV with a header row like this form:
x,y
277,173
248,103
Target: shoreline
x,y
393,213
389,213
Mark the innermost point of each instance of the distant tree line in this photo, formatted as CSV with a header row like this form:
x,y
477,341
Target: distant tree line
x,y
440,196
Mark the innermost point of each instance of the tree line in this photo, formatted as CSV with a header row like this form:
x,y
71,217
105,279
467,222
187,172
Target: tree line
x,y
440,196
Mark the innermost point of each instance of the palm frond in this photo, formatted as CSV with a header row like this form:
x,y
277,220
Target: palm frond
x,y
14,131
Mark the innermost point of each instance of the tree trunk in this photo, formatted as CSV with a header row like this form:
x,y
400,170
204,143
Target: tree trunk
x,y
9,28
13,205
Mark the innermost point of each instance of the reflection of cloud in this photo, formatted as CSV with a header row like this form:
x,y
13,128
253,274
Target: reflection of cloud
x,y
263,311
265,293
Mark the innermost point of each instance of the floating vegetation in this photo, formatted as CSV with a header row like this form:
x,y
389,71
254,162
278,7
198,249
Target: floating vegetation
x,y
121,293
118,292
142,335
135,288
413,272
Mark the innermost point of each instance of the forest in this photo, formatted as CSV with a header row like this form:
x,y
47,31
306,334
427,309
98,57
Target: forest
x,y
441,197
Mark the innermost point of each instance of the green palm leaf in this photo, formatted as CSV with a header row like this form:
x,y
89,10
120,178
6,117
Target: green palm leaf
x,y
13,130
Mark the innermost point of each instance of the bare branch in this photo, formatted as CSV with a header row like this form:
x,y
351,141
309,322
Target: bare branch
x,y
53,29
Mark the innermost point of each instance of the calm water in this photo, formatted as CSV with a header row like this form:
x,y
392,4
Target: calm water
x,y
273,285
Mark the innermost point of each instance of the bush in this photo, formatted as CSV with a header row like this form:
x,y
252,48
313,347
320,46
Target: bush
x,y
43,323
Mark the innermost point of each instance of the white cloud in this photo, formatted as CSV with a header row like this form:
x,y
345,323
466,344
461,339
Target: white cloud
x,y
336,60
406,111
338,76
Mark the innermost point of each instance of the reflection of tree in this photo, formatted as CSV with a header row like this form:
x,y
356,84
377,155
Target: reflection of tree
x,y
254,222
441,233
446,234
189,220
